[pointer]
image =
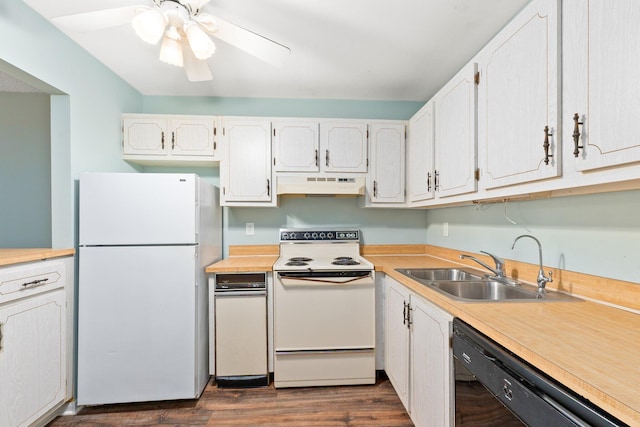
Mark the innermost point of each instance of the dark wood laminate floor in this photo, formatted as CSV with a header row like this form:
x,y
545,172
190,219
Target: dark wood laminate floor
x,y
366,405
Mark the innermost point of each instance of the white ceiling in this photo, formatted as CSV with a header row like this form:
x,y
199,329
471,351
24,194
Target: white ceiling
x,y
340,49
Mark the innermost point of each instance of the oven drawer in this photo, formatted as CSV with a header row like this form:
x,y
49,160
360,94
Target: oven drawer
x,y
318,368
323,316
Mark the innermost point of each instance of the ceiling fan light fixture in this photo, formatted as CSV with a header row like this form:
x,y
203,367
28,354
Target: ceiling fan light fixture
x,y
149,25
171,51
201,44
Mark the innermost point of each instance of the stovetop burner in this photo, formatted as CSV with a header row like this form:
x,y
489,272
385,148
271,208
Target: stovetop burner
x,y
298,261
344,260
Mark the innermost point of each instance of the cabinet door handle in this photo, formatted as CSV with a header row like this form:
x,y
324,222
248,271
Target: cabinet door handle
x,y
428,182
576,135
173,140
546,145
35,282
162,139
326,158
404,313
436,184
268,188
409,321
375,189
317,159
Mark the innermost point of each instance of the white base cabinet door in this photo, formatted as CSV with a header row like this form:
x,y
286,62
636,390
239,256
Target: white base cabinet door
x,y
418,358
32,357
396,338
431,365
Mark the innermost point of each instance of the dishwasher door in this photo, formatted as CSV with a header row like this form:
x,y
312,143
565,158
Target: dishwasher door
x,y
241,331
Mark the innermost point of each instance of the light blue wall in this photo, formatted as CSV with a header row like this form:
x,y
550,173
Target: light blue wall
x,y
88,137
25,169
276,107
596,234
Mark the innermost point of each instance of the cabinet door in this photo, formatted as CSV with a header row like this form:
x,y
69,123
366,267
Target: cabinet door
x,y
420,154
386,178
396,339
455,127
32,357
431,369
246,169
145,135
295,147
602,44
343,146
191,137
519,95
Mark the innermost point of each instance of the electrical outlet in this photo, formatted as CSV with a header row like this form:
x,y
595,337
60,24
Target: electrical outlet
x,y
249,229
445,229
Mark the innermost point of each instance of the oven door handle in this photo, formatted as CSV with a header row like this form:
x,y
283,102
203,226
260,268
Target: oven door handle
x,y
319,280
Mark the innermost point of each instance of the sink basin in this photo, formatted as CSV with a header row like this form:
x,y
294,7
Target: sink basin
x,y
468,285
435,274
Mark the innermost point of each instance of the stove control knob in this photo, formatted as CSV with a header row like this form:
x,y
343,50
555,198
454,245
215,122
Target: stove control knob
x,y
306,235
314,235
329,235
284,236
322,236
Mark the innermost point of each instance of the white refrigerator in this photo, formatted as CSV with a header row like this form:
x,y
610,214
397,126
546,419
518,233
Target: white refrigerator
x,y
144,242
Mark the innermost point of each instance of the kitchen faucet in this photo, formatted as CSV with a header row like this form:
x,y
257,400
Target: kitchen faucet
x,y
542,279
498,271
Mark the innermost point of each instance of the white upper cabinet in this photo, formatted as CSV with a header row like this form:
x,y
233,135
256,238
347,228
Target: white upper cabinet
x,y
420,155
386,180
455,135
245,172
296,146
343,146
601,60
169,140
519,99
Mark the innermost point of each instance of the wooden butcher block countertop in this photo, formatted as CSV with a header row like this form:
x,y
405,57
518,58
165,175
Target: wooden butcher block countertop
x,y
590,347
18,255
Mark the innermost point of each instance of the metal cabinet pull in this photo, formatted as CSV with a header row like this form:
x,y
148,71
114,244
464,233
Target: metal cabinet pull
x,y
436,184
162,139
317,159
35,282
576,135
375,189
173,140
409,321
268,187
326,158
546,145
404,312
428,182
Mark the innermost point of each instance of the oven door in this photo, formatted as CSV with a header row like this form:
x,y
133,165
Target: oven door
x,y
324,328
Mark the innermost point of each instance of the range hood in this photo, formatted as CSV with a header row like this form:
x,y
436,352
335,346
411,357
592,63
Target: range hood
x,y
320,185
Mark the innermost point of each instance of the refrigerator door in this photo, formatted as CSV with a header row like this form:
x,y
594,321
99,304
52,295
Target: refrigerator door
x,y
137,324
138,208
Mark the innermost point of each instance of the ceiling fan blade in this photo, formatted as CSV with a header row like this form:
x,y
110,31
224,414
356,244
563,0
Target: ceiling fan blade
x,y
196,70
261,47
106,18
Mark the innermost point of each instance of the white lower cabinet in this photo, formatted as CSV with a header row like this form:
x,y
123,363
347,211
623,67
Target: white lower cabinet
x,y
418,357
35,347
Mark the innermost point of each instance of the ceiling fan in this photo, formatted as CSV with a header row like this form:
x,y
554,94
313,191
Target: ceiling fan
x,y
184,30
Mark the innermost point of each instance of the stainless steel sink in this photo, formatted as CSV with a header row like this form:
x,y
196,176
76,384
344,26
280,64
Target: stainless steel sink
x,y
432,274
468,286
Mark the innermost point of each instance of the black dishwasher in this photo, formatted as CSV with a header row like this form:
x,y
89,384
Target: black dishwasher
x,y
534,398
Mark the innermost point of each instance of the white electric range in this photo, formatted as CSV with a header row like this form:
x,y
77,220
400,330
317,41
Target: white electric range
x,y
324,309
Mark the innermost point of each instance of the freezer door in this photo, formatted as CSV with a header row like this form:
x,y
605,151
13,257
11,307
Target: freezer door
x,y
137,328
138,208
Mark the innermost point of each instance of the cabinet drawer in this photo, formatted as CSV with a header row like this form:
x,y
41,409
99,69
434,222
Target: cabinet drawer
x,y
31,279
